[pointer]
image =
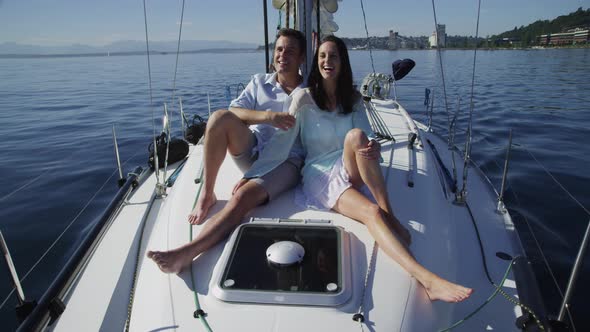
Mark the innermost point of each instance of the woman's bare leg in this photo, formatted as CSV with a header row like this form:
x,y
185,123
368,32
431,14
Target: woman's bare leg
x,y
356,206
225,132
368,171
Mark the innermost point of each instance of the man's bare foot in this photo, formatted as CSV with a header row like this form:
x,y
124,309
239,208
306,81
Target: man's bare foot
x,y
170,261
200,211
444,290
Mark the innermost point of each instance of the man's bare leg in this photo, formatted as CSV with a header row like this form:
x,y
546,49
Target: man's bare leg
x,y
217,228
225,132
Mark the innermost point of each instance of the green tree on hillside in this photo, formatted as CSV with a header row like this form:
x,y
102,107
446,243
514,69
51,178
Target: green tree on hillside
x,y
528,35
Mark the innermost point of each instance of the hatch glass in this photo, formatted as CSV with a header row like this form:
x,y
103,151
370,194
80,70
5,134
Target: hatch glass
x,y
320,278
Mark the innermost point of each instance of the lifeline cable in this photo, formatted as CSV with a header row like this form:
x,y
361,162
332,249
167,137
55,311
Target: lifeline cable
x,y
64,231
484,261
526,221
26,184
498,290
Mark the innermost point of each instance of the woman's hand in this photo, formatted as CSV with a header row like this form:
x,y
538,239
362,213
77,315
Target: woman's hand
x,y
372,151
238,185
281,120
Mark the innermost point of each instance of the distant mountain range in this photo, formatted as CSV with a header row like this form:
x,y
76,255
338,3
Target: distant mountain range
x,y
122,47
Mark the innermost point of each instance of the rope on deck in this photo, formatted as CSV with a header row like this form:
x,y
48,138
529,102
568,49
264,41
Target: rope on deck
x,y
199,312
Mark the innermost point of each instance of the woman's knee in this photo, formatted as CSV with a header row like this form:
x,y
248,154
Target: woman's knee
x,y
356,138
373,211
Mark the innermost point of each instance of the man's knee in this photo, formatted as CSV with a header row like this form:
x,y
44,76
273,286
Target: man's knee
x,y
222,119
249,196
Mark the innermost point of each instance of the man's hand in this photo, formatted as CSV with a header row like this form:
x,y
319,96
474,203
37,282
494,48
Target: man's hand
x,y
372,151
281,120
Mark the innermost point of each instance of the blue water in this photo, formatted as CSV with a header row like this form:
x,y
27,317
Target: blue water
x,y
56,116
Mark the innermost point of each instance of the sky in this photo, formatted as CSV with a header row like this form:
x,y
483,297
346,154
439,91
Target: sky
x,y
97,23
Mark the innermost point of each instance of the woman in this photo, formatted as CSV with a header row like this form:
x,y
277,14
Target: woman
x,y
340,160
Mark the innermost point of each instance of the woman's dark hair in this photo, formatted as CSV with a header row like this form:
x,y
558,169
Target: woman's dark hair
x,y
345,93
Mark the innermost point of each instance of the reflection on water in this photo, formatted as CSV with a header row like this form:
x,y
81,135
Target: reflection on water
x,y
56,116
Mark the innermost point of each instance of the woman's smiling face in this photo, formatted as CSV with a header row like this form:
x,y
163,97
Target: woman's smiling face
x,y
329,61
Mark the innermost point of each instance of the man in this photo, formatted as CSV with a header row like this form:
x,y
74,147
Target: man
x,y
243,130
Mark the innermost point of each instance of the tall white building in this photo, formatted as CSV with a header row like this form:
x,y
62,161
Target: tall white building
x,y
393,43
439,40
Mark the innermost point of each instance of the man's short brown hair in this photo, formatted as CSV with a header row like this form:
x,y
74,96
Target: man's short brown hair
x,y
296,34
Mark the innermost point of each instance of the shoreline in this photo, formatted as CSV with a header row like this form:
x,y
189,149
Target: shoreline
x,y
38,56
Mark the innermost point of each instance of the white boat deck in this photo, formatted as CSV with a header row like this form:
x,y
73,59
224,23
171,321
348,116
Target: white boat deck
x,y
443,240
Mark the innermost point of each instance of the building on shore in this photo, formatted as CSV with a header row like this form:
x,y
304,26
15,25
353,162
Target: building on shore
x,y
394,41
507,42
438,37
570,37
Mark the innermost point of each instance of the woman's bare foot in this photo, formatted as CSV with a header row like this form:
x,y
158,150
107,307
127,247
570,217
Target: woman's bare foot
x,y
200,211
440,289
170,261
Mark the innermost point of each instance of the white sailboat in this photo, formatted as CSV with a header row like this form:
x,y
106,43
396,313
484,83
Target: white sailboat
x,y
341,282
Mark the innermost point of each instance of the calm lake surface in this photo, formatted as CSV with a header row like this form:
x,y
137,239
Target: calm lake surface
x,y
56,116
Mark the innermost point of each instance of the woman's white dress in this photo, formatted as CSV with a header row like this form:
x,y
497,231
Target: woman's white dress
x,y
319,136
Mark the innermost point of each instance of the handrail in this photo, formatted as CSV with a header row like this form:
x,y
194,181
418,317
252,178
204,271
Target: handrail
x,y
50,306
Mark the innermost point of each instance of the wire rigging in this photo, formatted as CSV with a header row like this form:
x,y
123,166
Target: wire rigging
x,y
176,63
442,73
25,185
66,229
368,39
519,204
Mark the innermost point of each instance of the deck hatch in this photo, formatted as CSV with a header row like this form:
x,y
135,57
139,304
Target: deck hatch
x,y
244,273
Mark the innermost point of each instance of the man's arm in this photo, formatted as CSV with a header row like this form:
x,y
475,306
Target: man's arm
x,y
281,120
